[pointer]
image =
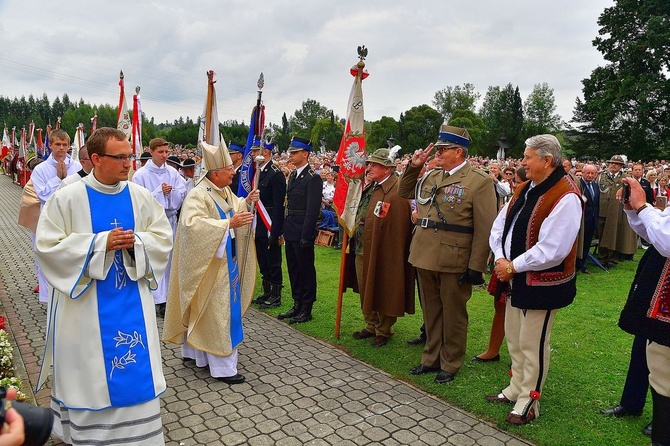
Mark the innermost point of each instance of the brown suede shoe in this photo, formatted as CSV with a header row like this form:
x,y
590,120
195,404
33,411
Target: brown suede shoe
x,y
497,399
380,341
363,334
520,420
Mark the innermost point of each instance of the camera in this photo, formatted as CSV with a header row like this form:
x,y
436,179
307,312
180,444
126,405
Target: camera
x,y
625,195
37,420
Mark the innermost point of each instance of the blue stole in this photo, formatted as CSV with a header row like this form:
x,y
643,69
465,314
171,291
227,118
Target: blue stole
x,y
120,314
236,334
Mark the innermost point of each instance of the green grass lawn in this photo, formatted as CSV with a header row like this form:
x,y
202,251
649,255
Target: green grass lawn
x,y
589,357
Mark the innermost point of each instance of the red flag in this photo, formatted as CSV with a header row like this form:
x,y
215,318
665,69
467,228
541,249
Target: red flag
x,y
351,155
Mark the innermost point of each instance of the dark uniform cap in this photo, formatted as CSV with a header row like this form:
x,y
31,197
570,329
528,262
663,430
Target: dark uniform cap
x,y
381,156
257,144
145,156
617,159
450,135
298,144
174,160
235,147
188,162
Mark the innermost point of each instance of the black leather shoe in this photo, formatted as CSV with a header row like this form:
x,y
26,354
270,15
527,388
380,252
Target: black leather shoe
x,y
421,369
417,341
444,377
647,430
235,379
271,302
289,314
301,317
620,411
496,358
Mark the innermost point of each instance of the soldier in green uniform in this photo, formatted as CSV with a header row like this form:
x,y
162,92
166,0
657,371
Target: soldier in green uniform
x,y
456,205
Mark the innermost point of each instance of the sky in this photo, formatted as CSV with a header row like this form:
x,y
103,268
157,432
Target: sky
x,y
304,49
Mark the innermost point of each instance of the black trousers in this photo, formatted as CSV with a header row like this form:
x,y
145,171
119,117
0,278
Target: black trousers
x,y
269,260
301,272
634,393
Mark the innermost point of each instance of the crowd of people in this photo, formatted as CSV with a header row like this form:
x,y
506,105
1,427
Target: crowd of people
x,y
182,239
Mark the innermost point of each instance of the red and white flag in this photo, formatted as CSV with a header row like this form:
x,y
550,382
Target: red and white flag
x,y
351,155
137,127
94,124
123,122
6,144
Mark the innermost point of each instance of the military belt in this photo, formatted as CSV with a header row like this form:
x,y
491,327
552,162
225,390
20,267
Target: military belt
x,y
426,223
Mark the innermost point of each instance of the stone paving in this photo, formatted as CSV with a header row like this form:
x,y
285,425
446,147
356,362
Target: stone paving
x,y
299,391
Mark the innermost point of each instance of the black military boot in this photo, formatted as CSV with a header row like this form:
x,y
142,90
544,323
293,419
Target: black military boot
x,y
290,313
275,297
160,309
266,293
660,430
304,315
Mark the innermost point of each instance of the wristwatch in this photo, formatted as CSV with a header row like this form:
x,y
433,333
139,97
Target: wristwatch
x,y
510,268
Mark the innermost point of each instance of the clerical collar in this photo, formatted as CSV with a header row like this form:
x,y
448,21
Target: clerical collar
x,y
92,181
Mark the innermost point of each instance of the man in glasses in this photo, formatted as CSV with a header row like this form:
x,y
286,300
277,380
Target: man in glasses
x,y
456,206
169,188
103,243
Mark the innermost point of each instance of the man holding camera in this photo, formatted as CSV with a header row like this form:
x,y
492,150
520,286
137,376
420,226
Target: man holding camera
x,y
457,205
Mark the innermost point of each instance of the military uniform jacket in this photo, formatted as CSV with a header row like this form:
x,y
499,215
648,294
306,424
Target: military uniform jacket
x,y
272,187
617,234
467,198
303,205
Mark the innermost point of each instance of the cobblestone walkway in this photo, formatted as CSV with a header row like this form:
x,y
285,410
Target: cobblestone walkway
x,y
343,402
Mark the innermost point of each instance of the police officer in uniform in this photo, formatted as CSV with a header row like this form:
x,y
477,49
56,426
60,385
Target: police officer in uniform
x,y
303,205
236,151
270,224
456,205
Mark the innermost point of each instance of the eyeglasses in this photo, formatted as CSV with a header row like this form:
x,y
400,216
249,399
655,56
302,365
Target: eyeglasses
x,y
84,159
509,173
122,158
442,149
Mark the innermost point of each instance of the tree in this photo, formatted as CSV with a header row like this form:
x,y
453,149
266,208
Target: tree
x,y
467,119
502,112
380,131
420,126
455,98
304,119
330,131
539,111
627,102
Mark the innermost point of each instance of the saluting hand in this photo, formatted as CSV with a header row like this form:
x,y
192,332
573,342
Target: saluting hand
x,y
420,156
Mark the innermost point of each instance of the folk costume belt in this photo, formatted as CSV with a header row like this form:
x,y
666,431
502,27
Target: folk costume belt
x,y
426,223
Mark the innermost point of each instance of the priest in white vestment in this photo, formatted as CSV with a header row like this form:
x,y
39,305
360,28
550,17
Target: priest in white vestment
x,y
214,270
46,178
103,244
169,188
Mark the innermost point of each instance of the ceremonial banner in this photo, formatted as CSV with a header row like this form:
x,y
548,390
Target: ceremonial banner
x,y
209,119
40,144
123,118
94,124
137,127
78,142
47,147
248,168
6,144
351,155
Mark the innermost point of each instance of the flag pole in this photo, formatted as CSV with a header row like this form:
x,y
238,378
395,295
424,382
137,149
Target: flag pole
x,y
350,157
209,139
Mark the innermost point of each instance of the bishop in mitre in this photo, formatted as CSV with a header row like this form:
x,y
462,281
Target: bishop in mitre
x,y
213,270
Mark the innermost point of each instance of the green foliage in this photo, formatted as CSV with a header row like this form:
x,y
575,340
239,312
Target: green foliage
x,y
502,111
303,120
627,102
378,133
330,131
418,127
589,357
540,112
449,99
